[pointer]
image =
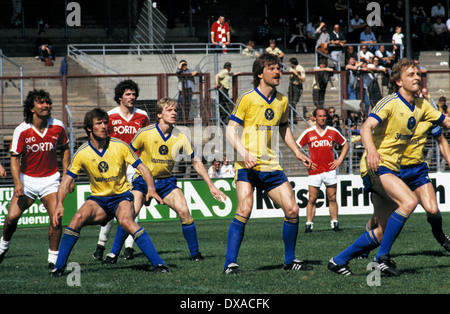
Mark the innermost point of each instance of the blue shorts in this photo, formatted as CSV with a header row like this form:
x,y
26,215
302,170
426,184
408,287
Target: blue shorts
x,y
163,186
262,180
110,203
415,175
368,178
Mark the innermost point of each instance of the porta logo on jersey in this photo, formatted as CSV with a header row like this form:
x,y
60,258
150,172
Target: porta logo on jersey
x,y
321,143
40,147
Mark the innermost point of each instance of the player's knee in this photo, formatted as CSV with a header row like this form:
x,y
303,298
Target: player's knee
x,y
292,211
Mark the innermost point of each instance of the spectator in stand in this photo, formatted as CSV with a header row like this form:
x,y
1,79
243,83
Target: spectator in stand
x,y
357,25
311,35
320,139
437,11
333,119
337,40
273,50
227,169
223,82
185,88
214,171
386,57
16,18
368,37
442,106
440,29
43,47
321,77
352,67
428,35
263,32
298,37
365,54
397,40
398,14
350,52
296,80
340,12
220,34
249,51
323,38
352,123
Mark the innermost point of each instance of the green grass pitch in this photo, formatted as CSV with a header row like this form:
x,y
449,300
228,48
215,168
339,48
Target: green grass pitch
x,y
425,266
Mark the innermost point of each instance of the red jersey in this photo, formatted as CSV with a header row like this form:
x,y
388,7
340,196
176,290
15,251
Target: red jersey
x,y
321,146
124,129
39,157
220,32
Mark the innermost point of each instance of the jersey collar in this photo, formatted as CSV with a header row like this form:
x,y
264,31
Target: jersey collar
x,y
104,149
269,101
161,133
411,107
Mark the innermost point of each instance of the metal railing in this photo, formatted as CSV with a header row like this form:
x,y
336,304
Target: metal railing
x,y
5,58
143,48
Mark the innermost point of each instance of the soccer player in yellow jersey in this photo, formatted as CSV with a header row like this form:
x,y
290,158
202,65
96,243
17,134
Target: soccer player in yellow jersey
x,y
159,145
386,135
263,114
105,161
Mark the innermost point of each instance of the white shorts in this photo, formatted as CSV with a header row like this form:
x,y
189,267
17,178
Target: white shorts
x,y
327,178
34,187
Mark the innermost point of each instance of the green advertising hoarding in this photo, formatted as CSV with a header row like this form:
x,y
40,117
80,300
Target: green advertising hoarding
x,y
200,201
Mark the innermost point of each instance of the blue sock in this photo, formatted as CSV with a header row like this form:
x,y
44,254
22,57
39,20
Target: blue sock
x,y
68,240
235,236
393,228
119,239
290,231
144,242
190,234
363,244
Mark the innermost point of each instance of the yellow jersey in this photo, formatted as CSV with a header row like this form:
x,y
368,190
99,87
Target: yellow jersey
x,y
107,170
398,121
413,154
261,118
159,153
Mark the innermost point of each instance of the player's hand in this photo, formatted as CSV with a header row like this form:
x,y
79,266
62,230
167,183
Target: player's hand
x,y
71,187
151,193
373,160
218,194
18,190
57,216
249,161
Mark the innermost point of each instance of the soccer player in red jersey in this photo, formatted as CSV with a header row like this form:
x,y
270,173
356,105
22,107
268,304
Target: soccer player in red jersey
x,y
320,140
124,121
34,167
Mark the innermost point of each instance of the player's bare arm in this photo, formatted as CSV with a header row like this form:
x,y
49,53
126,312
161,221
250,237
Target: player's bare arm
x,y
148,178
337,162
63,190
201,170
65,159
373,157
232,137
15,172
288,138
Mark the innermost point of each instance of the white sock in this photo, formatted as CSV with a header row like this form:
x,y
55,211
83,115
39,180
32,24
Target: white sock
x,y
4,245
309,224
104,233
52,256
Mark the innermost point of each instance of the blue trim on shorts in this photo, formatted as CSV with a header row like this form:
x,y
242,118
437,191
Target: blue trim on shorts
x,y
163,186
262,180
367,179
110,203
415,175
